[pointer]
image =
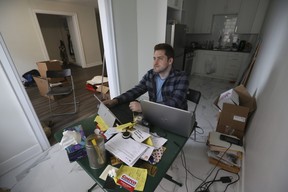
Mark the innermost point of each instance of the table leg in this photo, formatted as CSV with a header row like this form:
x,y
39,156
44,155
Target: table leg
x,y
169,178
90,190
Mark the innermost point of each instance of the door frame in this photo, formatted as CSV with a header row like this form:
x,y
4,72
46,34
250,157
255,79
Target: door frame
x,y
74,30
109,43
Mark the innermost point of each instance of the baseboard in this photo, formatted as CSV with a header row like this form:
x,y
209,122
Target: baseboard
x,y
92,64
19,159
241,182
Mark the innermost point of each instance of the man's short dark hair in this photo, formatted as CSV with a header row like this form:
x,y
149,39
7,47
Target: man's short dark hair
x,y
169,51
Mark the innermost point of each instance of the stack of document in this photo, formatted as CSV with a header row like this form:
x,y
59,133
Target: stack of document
x,y
141,144
127,150
221,153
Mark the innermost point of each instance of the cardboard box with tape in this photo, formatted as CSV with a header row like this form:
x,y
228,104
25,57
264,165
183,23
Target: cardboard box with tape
x,y
233,118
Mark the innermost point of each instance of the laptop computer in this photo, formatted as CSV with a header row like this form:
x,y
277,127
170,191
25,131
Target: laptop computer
x,y
109,118
172,119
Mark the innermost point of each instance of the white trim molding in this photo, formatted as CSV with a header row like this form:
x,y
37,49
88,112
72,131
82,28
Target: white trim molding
x,y
73,25
107,26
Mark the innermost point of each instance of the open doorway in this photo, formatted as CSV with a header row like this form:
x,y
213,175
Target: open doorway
x,y
60,36
52,27
57,38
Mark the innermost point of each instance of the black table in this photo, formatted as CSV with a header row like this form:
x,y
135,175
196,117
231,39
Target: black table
x,y
173,146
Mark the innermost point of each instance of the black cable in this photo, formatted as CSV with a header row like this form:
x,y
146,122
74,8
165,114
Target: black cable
x,y
232,182
226,179
188,170
186,178
196,190
202,130
199,133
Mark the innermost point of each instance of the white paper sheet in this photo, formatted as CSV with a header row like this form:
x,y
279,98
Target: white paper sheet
x,y
127,150
158,141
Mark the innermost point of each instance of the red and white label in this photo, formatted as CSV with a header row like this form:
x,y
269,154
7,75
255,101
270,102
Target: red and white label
x,y
127,182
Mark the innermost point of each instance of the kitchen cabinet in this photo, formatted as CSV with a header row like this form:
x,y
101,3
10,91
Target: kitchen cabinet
x,y
175,4
198,14
219,64
189,14
225,7
203,17
251,16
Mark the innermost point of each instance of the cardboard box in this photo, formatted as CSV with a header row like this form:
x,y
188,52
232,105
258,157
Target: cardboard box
x,y
233,169
245,99
233,118
229,96
42,84
52,65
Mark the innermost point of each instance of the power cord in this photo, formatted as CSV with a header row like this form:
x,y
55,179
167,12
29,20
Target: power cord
x,y
197,132
184,165
200,187
226,179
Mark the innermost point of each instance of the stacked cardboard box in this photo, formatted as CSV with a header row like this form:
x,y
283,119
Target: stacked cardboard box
x,y
42,81
235,107
234,115
220,153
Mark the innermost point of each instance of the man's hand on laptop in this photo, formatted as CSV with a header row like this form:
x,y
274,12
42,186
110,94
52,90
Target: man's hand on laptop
x,y
135,106
110,103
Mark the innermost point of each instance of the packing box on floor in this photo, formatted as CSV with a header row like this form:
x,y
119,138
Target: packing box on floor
x,y
52,65
230,96
233,118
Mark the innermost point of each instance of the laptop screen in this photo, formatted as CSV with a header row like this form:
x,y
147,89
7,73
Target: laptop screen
x,y
172,119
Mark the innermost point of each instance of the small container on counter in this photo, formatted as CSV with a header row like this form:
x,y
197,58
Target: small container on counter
x,y
96,151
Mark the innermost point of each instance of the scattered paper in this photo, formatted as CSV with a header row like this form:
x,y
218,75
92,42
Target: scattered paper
x,y
142,128
158,141
104,174
139,135
97,80
146,155
110,132
127,150
101,124
125,126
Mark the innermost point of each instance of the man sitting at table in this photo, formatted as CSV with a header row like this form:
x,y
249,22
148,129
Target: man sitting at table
x,y
164,84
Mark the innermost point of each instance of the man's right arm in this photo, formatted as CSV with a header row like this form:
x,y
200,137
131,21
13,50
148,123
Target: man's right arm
x,y
110,102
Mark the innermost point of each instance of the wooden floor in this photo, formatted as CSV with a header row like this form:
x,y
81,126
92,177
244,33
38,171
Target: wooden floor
x,y
86,107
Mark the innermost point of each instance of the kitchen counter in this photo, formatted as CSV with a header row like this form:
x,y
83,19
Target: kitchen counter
x,y
223,50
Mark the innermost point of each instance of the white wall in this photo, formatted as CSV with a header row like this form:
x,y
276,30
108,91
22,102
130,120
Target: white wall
x,y
125,23
19,29
151,24
136,35
266,139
